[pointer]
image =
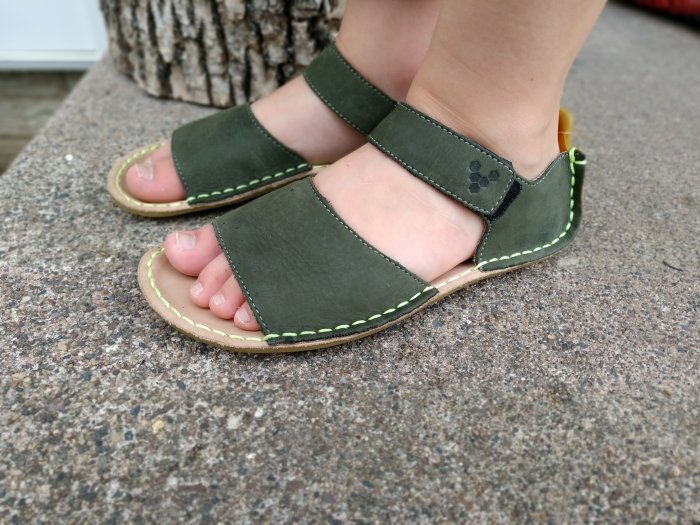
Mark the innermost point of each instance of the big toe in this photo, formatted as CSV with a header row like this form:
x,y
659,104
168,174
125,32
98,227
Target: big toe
x,y
189,252
154,178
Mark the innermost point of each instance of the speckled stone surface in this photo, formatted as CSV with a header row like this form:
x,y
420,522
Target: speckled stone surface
x,y
565,392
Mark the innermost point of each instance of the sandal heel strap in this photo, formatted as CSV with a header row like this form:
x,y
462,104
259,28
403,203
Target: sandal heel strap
x,y
346,92
452,163
526,220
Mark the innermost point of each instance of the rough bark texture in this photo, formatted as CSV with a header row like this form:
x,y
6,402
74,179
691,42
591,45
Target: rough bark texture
x,y
217,52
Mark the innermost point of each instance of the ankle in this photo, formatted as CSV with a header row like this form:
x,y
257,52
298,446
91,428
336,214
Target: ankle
x,y
387,41
526,137
390,72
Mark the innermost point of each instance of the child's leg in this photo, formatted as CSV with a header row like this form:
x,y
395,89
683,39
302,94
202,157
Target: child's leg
x,y
385,41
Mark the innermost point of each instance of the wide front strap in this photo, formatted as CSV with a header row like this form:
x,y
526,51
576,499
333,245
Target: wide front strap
x,y
451,162
346,92
306,274
230,153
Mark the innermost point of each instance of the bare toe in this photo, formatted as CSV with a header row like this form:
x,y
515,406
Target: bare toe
x,y
245,319
154,178
190,251
227,300
210,281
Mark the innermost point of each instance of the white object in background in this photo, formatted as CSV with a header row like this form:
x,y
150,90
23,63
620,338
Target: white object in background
x,y
51,34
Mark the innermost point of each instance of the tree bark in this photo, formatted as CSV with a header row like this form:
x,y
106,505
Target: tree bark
x,y
217,52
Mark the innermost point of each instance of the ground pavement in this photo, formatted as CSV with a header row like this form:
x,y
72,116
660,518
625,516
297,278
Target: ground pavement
x,y
565,392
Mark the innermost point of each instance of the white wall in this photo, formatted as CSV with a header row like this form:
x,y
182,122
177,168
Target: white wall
x,y
50,34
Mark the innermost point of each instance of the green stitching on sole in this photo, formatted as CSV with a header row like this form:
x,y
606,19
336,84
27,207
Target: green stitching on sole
x,y
129,161
191,200
160,251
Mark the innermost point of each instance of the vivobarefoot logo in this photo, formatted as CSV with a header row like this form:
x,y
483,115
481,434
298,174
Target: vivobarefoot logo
x,y
478,180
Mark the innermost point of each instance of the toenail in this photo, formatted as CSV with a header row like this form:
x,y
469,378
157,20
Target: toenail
x,y
144,169
185,240
243,315
218,299
197,288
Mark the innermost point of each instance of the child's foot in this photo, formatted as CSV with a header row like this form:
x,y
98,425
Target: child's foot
x,y
399,214
293,114
385,41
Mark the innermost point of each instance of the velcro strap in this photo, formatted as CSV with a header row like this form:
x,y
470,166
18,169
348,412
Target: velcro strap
x,y
451,162
346,92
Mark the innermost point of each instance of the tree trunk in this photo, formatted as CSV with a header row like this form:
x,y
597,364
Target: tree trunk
x,y
217,52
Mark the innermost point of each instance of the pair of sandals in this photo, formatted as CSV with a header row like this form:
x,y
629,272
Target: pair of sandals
x,y
309,279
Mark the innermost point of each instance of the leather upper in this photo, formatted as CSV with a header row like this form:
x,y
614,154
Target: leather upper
x,y
345,91
306,274
525,220
230,152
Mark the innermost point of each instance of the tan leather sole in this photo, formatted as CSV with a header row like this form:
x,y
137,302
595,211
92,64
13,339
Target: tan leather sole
x,y
168,293
115,186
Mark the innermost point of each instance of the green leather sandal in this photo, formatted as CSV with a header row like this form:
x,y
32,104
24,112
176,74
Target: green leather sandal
x,y
312,282
229,157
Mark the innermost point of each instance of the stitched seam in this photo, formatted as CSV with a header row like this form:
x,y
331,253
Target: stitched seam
x,y
330,105
145,151
360,77
272,140
361,321
485,211
128,162
178,168
422,175
252,182
458,137
319,331
239,278
365,243
177,312
572,184
544,175
267,135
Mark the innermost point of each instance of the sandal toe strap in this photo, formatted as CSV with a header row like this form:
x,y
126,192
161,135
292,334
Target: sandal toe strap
x,y
230,153
306,274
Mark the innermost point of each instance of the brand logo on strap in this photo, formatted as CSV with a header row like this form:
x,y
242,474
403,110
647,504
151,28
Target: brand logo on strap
x,y
479,181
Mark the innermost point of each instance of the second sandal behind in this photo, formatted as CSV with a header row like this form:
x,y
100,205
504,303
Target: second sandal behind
x,y
312,282
229,157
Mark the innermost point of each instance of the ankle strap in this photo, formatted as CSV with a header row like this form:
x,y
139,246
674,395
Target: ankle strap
x,y
525,220
352,97
452,163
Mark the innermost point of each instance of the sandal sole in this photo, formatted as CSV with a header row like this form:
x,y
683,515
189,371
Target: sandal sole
x,y
115,179
167,292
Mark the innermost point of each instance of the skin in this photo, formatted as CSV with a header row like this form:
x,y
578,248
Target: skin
x,y
497,79
385,41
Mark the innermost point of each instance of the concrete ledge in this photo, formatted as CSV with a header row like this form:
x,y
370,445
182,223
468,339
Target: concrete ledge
x,y
566,392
